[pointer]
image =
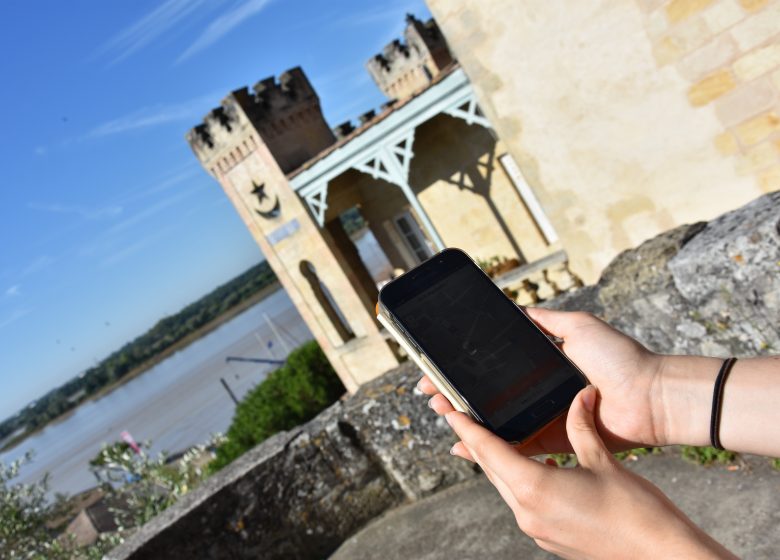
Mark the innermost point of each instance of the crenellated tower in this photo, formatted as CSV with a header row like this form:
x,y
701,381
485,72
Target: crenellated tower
x,y
250,143
285,114
405,66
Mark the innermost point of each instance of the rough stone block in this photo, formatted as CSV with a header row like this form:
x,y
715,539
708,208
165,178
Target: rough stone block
x,y
729,274
299,494
722,15
711,289
710,88
770,179
707,59
678,10
755,130
391,421
666,50
746,101
753,5
757,62
690,34
726,144
757,158
758,28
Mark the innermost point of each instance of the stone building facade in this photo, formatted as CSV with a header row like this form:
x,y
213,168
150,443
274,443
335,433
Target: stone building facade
x,y
425,173
627,118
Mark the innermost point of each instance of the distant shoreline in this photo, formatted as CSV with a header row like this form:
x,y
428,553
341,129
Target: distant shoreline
x,y
146,366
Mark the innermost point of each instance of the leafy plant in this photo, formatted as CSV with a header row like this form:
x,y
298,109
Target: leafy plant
x,y
564,459
707,455
146,485
291,395
26,518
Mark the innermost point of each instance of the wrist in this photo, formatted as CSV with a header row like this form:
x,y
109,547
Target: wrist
x,y
682,399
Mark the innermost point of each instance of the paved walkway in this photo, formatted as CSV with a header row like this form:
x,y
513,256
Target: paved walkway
x,y
740,508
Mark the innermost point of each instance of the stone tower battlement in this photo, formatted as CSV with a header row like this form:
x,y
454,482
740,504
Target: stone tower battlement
x,y
285,114
405,66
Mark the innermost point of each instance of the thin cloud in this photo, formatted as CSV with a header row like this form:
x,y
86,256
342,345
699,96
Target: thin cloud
x,y
153,25
13,317
223,25
39,264
13,291
155,116
85,212
122,254
150,211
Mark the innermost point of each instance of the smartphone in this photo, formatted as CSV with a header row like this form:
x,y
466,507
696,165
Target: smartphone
x,y
478,347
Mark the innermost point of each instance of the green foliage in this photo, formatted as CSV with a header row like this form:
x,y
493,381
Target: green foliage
x,y
633,454
564,459
775,463
352,221
141,351
291,395
26,518
143,484
707,455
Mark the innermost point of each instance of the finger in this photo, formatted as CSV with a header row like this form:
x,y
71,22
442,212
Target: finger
x,y
440,404
425,386
504,490
492,452
460,450
581,427
558,323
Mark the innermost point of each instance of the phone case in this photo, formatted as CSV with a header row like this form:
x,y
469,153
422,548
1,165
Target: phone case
x,y
431,371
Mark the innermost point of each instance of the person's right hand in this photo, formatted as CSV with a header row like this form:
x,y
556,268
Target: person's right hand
x,y
625,373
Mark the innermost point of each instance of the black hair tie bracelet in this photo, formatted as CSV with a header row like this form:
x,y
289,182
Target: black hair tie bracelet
x,y
717,401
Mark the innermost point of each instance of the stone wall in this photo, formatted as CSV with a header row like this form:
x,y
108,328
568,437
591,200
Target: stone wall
x,y
707,288
704,288
301,493
627,118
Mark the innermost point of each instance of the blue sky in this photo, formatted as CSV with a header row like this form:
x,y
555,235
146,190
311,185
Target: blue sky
x,y
107,222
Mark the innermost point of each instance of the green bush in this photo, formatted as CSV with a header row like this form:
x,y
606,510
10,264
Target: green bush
x,y
291,395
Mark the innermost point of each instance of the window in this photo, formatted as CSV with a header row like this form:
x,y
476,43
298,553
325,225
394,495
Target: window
x,y
325,299
413,236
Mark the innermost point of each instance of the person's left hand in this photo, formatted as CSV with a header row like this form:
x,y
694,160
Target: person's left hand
x,y
596,510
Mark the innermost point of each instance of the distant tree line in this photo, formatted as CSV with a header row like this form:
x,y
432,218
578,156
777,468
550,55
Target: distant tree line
x,y
141,351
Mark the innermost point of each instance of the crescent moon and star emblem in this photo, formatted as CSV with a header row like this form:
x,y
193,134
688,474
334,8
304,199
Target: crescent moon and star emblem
x,y
259,192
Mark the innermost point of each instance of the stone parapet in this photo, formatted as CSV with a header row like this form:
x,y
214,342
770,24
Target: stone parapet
x,y
708,288
301,493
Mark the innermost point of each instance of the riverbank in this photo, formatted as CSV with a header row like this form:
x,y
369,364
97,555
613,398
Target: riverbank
x,y
147,365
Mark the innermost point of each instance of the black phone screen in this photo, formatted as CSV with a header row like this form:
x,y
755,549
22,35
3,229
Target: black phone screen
x,y
508,371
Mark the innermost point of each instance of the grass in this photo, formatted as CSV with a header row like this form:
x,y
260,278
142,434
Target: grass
x,y
707,455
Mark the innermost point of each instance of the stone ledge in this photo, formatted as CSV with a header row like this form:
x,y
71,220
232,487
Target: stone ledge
x,y
700,289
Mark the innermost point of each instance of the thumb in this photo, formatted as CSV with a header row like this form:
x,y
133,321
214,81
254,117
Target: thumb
x,y
581,429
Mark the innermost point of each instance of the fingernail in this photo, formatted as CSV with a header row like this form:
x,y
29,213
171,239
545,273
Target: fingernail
x,y
449,418
418,385
430,402
452,451
589,398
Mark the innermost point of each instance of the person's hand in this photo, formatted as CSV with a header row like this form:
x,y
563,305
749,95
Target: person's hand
x,y
625,372
596,510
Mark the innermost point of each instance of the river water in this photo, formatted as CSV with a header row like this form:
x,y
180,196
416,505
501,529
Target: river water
x,y
179,402
175,404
